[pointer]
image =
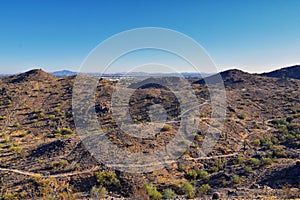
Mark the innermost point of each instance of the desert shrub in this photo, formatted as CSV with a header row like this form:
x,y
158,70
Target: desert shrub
x,y
254,161
51,188
66,131
192,174
60,163
239,160
242,116
257,125
203,189
98,192
256,142
219,163
248,169
278,122
166,127
266,161
53,164
41,115
152,192
14,147
16,124
63,131
52,117
9,196
266,142
3,117
182,167
278,152
188,190
19,134
215,169
203,174
235,179
169,194
106,178
274,140
63,162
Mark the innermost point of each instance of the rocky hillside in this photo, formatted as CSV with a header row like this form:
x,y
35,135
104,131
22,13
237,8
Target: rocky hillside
x,y
257,154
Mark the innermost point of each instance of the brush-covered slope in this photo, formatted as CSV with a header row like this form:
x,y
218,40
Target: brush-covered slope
x,y
41,154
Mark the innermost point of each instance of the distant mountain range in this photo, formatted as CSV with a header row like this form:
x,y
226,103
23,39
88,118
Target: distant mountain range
x,y
65,73
287,72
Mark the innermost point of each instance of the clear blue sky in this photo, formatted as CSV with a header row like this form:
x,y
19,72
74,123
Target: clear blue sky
x,y
58,34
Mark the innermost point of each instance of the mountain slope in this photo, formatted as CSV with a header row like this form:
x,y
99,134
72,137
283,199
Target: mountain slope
x,y
288,72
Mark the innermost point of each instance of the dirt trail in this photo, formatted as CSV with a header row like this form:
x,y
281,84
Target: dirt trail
x,y
27,173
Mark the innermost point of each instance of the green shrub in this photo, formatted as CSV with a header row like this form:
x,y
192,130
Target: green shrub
x,y
203,174
188,190
169,194
192,174
166,127
61,163
66,131
16,125
41,115
9,196
274,140
152,192
266,161
239,160
254,161
256,142
52,117
235,179
219,163
3,117
277,151
16,149
106,178
266,142
203,189
215,168
248,169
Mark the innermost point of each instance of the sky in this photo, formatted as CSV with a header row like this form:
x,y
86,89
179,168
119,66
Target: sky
x,y
252,35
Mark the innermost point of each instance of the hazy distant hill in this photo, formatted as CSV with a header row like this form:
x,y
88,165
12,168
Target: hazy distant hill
x,y
64,73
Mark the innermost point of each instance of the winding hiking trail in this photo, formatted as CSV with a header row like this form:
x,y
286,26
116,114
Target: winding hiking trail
x,y
27,173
